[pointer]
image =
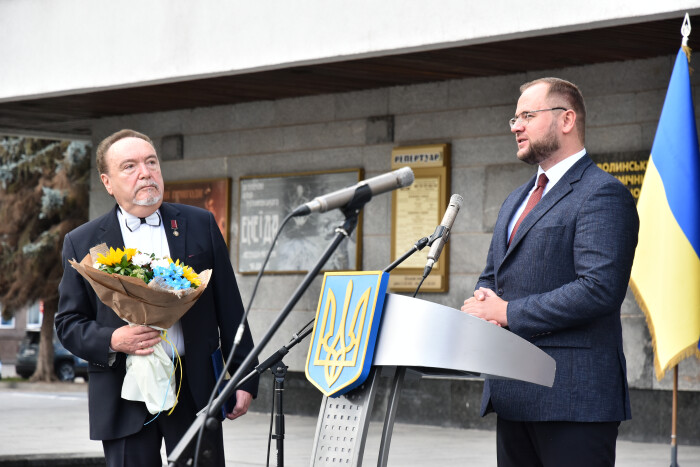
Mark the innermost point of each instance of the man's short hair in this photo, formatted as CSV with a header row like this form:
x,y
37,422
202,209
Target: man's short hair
x,y
107,143
570,93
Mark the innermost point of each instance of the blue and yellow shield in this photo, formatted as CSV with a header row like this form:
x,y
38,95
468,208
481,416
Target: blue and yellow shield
x,y
347,322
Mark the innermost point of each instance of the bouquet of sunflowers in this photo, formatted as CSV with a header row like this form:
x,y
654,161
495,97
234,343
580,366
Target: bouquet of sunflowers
x,y
158,273
134,289
150,291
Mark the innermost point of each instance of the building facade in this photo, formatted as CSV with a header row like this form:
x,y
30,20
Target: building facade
x,y
458,85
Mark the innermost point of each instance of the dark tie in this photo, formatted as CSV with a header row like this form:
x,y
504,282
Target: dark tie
x,y
534,199
133,223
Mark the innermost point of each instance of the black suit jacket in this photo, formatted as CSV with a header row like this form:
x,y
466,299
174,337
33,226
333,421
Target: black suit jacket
x,y
85,325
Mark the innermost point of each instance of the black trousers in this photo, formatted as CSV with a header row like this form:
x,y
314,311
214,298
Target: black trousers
x,y
555,444
142,449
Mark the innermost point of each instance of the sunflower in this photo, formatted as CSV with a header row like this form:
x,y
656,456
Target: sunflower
x,y
115,257
189,274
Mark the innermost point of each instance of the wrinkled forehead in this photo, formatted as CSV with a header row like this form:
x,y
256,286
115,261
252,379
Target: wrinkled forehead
x,y
130,148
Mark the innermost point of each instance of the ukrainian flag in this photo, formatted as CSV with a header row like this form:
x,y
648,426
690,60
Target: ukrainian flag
x,y
666,270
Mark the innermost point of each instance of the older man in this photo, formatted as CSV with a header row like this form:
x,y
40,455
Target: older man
x,y
130,171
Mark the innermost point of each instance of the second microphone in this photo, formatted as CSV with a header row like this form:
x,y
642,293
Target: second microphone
x,y
443,232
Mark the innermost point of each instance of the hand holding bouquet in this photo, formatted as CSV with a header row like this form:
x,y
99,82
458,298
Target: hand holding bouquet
x,y
144,290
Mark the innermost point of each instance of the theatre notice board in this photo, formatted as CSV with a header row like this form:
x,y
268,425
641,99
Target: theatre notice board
x,y
416,211
264,203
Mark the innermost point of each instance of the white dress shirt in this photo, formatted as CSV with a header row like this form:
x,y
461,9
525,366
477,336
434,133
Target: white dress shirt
x,y
554,174
151,239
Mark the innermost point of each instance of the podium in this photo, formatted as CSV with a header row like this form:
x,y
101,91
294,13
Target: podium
x,y
429,339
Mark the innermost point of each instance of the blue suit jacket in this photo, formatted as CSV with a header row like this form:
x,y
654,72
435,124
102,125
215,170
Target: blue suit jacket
x,y
85,325
565,276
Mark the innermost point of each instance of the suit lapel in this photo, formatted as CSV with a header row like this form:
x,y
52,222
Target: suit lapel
x,y
175,225
563,187
500,230
110,233
175,230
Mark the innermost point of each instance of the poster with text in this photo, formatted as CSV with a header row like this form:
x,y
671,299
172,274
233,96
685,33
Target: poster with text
x,y
266,201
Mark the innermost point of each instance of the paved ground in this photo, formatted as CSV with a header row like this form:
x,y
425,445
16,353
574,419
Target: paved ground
x,y
37,419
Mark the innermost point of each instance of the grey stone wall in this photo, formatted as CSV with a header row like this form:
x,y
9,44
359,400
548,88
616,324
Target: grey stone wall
x,y
359,129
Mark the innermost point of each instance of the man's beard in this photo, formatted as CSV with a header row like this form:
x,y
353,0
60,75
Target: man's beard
x,y
151,200
540,151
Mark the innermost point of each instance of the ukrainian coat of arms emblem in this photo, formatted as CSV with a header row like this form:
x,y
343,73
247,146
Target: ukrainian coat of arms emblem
x,y
345,332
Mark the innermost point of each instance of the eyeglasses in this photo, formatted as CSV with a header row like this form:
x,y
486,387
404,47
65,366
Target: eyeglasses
x,y
525,117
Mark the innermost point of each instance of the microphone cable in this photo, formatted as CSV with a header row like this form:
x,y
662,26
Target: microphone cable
x,y
239,336
419,284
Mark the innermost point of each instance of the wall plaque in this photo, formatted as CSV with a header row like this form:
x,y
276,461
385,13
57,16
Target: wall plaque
x,y
264,203
416,212
628,167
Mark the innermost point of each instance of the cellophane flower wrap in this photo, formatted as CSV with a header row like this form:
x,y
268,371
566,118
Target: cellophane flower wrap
x,y
149,291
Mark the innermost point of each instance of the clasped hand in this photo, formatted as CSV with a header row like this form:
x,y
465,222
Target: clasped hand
x,y
485,304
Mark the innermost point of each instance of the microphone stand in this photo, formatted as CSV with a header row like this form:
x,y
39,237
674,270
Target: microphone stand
x,y
206,420
400,372
261,368
280,371
419,245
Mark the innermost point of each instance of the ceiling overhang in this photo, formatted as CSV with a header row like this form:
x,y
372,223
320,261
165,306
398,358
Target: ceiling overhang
x,y
71,114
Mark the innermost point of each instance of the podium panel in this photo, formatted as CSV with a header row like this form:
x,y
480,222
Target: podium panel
x,y
418,333
430,339
342,426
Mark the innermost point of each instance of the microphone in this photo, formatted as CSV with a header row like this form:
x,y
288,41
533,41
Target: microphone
x,y
337,199
442,232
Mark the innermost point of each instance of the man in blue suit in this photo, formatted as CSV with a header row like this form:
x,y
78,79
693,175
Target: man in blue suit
x,y
130,171
556,275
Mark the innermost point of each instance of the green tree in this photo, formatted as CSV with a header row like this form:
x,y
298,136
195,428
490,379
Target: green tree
x,y
43,195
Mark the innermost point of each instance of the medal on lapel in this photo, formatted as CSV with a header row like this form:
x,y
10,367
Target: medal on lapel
x,y
173,226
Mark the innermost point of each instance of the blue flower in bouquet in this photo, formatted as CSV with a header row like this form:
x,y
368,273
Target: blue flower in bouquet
x,y
172,276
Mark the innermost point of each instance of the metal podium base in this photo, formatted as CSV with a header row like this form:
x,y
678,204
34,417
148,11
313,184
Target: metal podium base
x,y
342,426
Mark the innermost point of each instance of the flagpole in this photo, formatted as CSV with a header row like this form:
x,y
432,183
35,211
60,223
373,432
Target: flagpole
x,y
674,419
685,32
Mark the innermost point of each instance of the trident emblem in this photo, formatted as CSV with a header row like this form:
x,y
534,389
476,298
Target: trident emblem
x,y
342,345
345,343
